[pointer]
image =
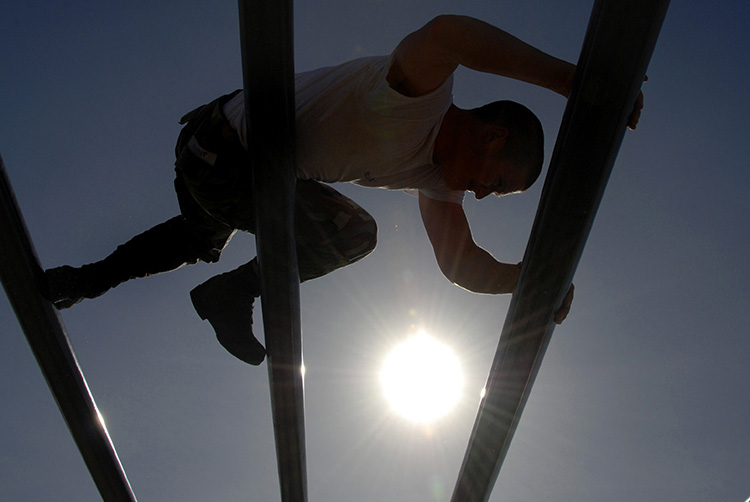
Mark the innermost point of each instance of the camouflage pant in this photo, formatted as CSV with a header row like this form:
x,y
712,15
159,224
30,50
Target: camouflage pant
x,y
214,188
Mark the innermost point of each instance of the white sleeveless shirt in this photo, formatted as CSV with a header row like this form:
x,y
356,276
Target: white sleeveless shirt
x,y
351,126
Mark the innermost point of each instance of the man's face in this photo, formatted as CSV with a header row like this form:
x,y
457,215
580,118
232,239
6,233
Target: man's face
x,y
497,177
479,167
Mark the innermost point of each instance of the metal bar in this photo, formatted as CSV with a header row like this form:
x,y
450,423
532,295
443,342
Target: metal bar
x,y
619,41
267,37
23,280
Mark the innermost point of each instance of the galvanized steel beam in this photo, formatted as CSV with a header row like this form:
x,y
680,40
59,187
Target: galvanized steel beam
x,y
619,41
23,280
267,38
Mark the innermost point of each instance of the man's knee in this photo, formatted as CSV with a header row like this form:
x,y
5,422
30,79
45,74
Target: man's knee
x,y
362,235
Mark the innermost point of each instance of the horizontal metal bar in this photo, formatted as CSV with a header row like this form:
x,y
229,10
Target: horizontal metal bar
x,y
617,48
266,33
23,280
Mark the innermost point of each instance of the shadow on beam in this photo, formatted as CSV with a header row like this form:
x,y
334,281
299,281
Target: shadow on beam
x,y
22,278
267,38
619,41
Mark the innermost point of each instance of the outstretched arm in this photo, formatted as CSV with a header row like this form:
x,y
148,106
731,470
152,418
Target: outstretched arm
x,y
460,259
425,58
463,262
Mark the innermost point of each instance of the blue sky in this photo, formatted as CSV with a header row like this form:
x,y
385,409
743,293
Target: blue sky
x,y
643,391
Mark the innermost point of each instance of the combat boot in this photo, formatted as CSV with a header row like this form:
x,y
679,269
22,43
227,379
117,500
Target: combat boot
x,y
226,301
67,286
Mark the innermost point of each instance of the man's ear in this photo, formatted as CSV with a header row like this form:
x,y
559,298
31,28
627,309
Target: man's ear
x,y
496,133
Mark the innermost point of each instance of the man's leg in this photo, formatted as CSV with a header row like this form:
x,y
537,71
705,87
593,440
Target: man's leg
x,y
214,183
331,231
163,248
181,240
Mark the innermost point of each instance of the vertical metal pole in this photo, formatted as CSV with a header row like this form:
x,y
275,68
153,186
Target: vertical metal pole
x,y
266,32
619,42
23,279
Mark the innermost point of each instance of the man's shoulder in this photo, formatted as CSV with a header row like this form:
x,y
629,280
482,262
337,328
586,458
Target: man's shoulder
x,y
349,67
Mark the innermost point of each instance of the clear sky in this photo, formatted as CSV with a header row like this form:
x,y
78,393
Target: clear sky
x,y
643,393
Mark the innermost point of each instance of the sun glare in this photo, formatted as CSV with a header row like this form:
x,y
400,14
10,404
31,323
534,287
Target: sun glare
x,y
422,378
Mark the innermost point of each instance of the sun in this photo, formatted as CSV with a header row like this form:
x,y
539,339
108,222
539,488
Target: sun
x,y
422,378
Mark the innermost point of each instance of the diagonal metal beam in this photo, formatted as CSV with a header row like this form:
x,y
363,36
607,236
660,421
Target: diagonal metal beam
x,y
23,279
619,41
266,32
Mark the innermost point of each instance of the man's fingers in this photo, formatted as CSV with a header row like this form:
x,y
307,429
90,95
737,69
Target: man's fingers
x,y
564,309
561,314
635,115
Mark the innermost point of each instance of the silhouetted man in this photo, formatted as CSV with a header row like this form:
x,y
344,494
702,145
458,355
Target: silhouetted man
x,y
385,122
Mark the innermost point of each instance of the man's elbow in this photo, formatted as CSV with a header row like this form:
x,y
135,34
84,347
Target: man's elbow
x,y
459,276
450,270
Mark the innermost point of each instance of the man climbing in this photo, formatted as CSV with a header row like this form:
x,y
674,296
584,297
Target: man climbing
x,y
384,122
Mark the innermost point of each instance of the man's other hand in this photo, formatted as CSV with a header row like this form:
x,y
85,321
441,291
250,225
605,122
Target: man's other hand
x,y
637,107
562,312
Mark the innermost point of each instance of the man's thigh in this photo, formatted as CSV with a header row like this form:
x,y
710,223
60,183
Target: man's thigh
x,y
332,230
